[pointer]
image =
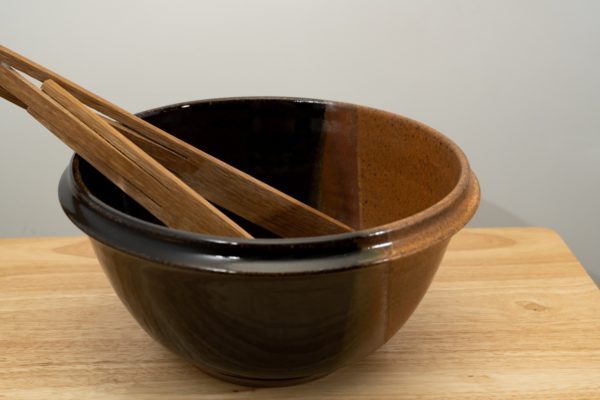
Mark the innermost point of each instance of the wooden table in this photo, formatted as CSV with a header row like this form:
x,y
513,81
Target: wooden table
x,y
511,314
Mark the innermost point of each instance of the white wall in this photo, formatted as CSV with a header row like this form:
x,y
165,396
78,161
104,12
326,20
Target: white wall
x,y
515,83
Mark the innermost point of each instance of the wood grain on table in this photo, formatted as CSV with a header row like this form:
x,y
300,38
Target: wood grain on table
x,y
511,315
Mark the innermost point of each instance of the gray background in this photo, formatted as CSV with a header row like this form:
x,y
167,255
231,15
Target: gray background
x,y
515,83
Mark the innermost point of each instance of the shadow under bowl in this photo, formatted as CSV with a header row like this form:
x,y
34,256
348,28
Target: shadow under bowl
x,y
269,311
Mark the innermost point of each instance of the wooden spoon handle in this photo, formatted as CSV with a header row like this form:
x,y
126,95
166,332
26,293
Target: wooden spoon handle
x,y
217,181
115,156
5,94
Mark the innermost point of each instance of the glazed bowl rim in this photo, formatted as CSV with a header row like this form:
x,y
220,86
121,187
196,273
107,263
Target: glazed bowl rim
x,y
464,196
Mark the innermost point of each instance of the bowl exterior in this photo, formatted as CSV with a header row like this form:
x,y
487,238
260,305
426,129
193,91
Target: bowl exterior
x,y
270,329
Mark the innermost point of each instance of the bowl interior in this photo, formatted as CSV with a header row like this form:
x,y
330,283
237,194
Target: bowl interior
x,y
362,166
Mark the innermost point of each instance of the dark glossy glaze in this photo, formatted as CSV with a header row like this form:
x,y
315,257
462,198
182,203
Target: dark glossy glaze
x,y
282,311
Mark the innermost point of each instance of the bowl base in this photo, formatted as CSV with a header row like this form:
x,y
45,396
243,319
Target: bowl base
x,y
255,382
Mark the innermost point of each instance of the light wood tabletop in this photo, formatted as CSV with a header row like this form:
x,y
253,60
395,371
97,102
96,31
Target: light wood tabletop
x,y
511,314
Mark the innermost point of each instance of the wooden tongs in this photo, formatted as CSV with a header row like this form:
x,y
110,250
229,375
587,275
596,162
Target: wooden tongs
x,y
152,166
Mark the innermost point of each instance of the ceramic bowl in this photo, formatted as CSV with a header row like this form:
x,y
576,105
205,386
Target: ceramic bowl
x,y
273,311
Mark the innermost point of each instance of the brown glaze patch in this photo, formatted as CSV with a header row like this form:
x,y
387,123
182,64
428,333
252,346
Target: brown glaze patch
x,y
408,281
402,168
